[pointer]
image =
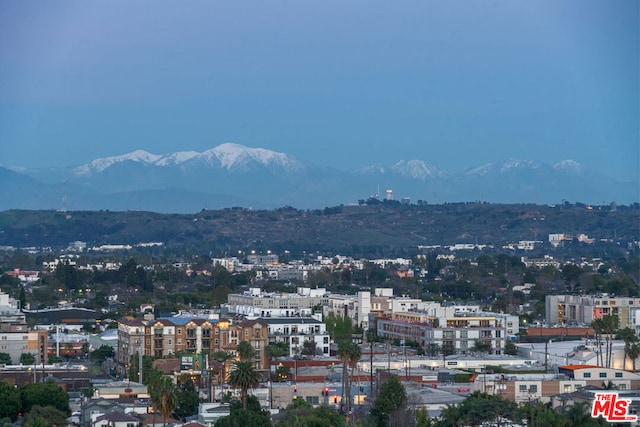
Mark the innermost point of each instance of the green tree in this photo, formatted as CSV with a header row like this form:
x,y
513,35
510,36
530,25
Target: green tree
x,y
188,400
510,348
5,359
345,351
244,376
45,416
629,337
163,396
252,416
480,408
221,358
27,359
44,394
391,398
245,351
634,353
10,398
301,414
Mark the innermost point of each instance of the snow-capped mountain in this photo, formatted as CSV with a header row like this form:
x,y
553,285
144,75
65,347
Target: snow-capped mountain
x,y
505,166
232,174
417,169
229,156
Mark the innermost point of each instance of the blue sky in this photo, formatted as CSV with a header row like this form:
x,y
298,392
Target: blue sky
x,y
337,83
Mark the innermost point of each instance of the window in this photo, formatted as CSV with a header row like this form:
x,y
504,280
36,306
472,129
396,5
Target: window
x,y
216,341
522,388
314,400
179,331
179,341
567,388
618,374
587,374
603,375
533,388
217,331
246,332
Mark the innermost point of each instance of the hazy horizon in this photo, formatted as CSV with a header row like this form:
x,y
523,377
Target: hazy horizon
x,y
341,85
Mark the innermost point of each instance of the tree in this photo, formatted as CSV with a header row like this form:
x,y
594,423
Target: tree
x,y
510,348
163,396
301,414
391,398
220,357
479,408
634,353
252,416
245,351
44,394
45,416
27,359
10,398
5,359
347,351
309,348
187,398
244,376
629,337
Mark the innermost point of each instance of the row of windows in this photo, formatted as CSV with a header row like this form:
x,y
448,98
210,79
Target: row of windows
x,y
602,375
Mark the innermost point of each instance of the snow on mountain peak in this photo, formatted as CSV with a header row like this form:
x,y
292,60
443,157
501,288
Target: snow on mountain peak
x,y
228,156
569,166
417,169
504,166
233,155
99,165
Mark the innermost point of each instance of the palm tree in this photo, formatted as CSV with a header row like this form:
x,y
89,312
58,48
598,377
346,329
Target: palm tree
x,y
164,396
344,352
634,352
244,376
221,357
355,354
627,335
245,351
598,327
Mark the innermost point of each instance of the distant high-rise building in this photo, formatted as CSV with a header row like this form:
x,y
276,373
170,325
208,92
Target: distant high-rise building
x,y
389,195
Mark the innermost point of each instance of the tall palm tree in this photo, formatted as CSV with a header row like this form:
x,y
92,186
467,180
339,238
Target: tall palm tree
x,y
221,357
634,352
245,351
164,396
344,353
355,354
627,335
244,376
598,327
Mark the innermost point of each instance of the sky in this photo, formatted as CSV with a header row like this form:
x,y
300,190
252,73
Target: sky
x,y
343,84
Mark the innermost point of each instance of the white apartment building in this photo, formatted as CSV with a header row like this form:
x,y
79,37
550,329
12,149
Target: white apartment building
x,y
579,309
294,331
270,304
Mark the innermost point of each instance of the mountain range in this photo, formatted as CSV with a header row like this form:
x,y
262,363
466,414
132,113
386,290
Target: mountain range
x,y
231,175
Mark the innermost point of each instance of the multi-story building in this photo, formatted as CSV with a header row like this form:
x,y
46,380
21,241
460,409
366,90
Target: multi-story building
x,y
15,337
582,310
169,336
295,331
262,304
458,331
541,387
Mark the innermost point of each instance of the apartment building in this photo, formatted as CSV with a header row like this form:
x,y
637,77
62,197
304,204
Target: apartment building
x,y
272,304
582,310
542,387
168,336
15,337
458,331
296,331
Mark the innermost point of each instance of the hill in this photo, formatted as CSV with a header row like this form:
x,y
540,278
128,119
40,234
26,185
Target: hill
x,y
377,229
